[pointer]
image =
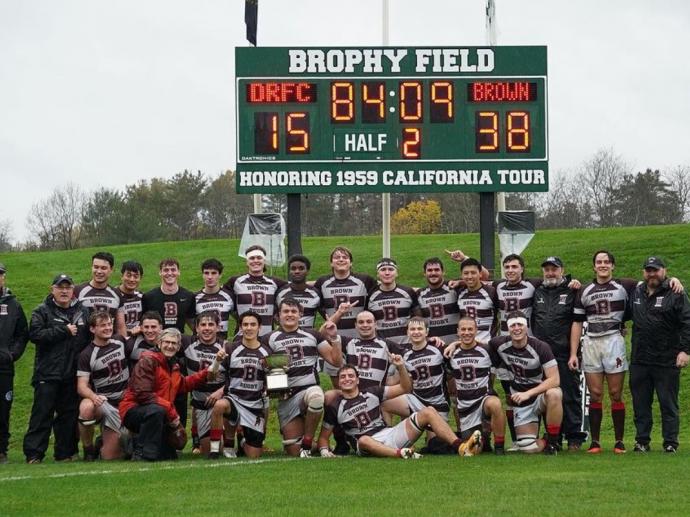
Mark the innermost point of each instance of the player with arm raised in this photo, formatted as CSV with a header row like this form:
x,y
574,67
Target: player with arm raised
x,y
102,377
299,412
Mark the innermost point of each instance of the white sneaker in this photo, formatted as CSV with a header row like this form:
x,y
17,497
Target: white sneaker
x,y
304,453
407,453
229,452
513,448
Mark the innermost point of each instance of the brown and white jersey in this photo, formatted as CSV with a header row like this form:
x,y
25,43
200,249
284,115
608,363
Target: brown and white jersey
x,y
482,305
603,306
221,303
427,369
97,299
357,416
515,297
255,293
136,345
392,310
131,307
352,289
527,364
471,370
106,367
302,348
197,356
371,357
309,298
440,306
245,377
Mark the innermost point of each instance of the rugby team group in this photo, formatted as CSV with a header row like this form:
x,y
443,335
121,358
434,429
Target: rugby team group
x,y
402,361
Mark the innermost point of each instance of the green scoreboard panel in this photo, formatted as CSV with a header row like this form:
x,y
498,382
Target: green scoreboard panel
x,y
385,119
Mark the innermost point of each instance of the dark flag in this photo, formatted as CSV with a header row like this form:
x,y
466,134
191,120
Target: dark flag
x,y
251,8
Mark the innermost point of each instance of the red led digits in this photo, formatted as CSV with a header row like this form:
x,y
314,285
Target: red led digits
x,y
342,102
502,91
281,93
442,102
411,143
265,133
486,132
373,102
297,138
518,131
410,102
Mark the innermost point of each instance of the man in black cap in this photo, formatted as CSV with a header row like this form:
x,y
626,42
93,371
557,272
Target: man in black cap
x,y
660,348
14,335
59,329
552,322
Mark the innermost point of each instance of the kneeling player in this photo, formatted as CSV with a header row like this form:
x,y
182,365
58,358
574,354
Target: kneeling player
x,y
426,364
102,377
359,414
470,364
534,388
300,412
245,380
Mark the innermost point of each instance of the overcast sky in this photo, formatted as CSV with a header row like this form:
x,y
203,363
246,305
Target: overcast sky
x,y
106,93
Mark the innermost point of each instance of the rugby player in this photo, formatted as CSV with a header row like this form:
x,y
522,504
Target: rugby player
x,y
438,302
477,300
102,377
359,413
309,297
131,306
214,297
198,355
254,291
603,304
300,411
173,302
242,402
151,326
390,303
96,294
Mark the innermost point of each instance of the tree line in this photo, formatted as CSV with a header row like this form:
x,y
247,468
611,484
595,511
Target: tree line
x,y
605,191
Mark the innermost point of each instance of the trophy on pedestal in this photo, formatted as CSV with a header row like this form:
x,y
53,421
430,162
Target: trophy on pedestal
x,y
277,378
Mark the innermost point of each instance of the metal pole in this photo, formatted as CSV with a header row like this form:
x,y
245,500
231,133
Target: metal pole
x,y
491,42
487,230
385,197
294,233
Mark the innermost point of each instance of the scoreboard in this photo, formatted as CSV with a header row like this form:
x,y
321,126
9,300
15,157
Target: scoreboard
x,y
386,119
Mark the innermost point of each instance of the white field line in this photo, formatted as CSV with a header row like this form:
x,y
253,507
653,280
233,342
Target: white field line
x,y
183,466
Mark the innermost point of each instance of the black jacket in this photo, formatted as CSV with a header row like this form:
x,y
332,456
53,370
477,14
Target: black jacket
x,y
552,316
661,326
56,349
14,333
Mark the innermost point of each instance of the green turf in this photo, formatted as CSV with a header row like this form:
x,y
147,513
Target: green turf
x,y
569,484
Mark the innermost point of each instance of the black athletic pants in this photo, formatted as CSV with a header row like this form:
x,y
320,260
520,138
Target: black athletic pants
x,y
56,406
644,381
5,407
150,422
571,427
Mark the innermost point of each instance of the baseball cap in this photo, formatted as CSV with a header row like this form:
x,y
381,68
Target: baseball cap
x,y
553,261
654,263
2,268
386,262
62,278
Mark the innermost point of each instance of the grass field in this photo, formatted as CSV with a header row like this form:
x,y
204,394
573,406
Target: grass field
x,y
568,484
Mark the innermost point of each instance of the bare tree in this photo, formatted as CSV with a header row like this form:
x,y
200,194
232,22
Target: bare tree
x,y
601,178
5,235
679,178
56,220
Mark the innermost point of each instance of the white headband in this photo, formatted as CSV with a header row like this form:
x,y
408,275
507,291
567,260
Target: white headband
x,y
520,320
255,253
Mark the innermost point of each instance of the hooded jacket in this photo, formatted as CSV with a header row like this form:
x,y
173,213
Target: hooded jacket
x,y
56,349
14,331
155,380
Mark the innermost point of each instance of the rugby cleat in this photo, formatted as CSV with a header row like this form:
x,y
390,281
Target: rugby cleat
x,y
407,453
594,448
305,453
472,446
229,452
619,447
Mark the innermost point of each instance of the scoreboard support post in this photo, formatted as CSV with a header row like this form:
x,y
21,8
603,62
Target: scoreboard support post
x,y
294,228
487,230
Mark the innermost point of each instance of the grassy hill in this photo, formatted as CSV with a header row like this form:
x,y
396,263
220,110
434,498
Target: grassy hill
x,y
29,274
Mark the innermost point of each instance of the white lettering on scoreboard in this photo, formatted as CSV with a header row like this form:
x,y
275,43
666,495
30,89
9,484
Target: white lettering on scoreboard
x,y
398,178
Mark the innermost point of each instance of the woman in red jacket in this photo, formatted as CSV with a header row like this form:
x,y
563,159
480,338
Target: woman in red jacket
x,y
148,408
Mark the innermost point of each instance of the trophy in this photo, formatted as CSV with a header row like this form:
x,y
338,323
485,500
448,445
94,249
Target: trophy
x,y
277,378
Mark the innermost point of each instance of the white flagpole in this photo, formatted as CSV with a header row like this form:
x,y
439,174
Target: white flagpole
x,y
491,42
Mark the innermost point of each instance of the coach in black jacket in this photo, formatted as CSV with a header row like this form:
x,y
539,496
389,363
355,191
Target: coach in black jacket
x,y
552,322
59,329
14,335
660,348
